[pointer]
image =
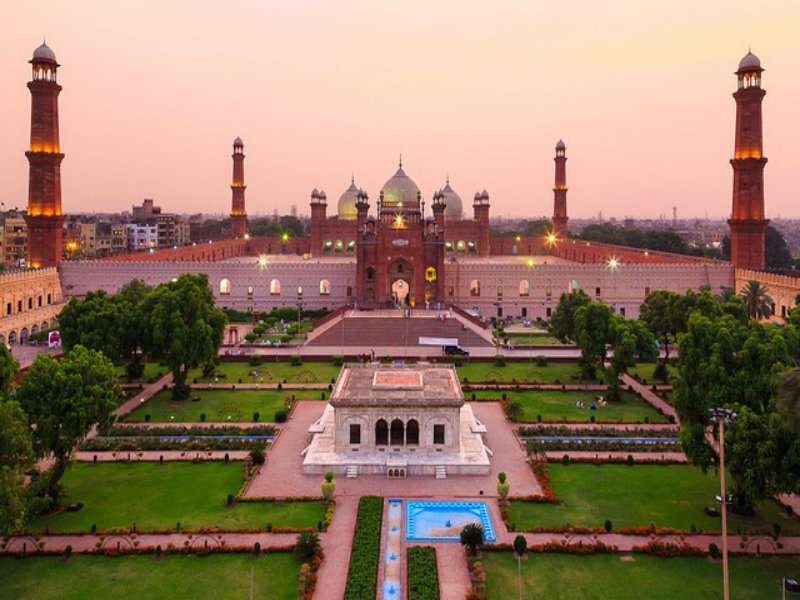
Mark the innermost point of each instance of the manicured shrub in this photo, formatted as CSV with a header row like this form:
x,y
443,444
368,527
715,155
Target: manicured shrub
x,y
256,549
147,417
630,460
520,544
296,360
328,486
338,360
423,576
256,416
258,456
713,550
503,486
202,417
362,575
255,360
472,538
307,545
280,416
67,551
608,526
541,360
229,502
565,459
499,360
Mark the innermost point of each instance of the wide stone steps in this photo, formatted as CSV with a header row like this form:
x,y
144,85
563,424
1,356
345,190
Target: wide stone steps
x,y
394,331
441,472
352,472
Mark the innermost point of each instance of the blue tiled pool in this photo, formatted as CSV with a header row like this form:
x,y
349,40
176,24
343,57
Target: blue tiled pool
x,y
443,521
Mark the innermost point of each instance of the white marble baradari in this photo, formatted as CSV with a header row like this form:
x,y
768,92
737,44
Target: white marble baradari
x,y
397,420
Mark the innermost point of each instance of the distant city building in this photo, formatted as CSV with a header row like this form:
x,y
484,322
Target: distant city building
x,y
14,238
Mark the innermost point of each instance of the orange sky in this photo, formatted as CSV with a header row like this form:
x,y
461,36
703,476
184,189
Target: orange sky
x,y
640,90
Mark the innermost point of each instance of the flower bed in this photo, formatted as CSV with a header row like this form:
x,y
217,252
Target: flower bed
x,y
362,575
194,430
423,577
145,443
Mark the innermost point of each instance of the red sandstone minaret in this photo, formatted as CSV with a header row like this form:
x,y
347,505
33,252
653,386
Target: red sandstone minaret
x,y
238,214
560,192
480,207
44,218
747,220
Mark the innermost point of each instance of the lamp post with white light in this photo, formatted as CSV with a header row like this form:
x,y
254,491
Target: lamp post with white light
x,y
722,417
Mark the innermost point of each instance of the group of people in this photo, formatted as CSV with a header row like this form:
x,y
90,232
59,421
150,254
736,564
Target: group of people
x,y
599,402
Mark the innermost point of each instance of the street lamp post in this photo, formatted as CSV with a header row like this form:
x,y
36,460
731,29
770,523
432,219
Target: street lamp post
x,y
723,416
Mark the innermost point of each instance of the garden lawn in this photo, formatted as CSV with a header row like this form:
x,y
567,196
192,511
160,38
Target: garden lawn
x,y
645,372
669,495
521,372
269,372
555,406
154,496
606,577
177,577
152,371
219,405
533,339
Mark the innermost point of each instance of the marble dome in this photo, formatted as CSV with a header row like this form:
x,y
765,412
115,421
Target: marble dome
x,y
750,62
44,52
400,189
347,203
454,207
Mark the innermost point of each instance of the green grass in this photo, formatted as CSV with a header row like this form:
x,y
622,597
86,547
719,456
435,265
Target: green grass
x,y
156,496
557,406
523,372
645,372
606,577
533,339
219,405
270,372
177,577
669,496
151,369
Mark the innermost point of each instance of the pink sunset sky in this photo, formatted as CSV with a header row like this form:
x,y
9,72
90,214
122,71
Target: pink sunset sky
x,y
640,91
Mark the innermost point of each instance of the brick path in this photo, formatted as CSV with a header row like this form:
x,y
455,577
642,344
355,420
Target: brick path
x,y
337,543
650,397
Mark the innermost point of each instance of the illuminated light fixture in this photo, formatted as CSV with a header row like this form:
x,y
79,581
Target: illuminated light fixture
x,y
247,236
262,261
613,263
285,237
518,238
399,221
530,262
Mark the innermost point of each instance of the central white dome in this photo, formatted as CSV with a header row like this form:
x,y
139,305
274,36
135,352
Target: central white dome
x,y
400,189
454,208
347,203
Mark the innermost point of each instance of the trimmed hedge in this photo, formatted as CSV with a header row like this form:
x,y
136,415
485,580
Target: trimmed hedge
x,y
362,576
423,577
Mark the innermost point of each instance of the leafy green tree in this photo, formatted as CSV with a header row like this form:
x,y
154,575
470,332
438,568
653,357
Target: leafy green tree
x,y
593,333
64,399
132,325
307,545
787,397
757,300
659,313
91,322
472,538
16,456
183,326
8,369
562,322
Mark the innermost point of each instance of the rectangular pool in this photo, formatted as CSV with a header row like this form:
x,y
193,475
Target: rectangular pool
x,y
443,521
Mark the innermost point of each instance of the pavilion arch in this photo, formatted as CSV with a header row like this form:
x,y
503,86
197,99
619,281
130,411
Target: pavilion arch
x,y
396,433
12,337
475,288
369,275
412,432
381,432
23,335
275,287
324,288
338,247
54,323
34,329
461,247
44,325
524,288
225,287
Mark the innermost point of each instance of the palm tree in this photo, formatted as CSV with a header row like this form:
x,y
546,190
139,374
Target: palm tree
x,y
725,295
757,300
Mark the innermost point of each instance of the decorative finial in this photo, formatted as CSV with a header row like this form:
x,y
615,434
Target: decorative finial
x,y
401,161
447,179
352,178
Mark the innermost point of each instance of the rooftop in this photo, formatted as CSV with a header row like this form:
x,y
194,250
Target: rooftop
x,y
377,384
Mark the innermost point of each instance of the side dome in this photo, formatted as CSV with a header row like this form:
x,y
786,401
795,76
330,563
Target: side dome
x,y
400,189
454,207
347,203
44,52
750,62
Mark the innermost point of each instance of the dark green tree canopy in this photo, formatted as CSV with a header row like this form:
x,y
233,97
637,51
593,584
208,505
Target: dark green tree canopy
x,y
16,456
183,326
562,323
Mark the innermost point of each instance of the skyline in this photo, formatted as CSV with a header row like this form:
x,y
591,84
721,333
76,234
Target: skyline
x,y
483,115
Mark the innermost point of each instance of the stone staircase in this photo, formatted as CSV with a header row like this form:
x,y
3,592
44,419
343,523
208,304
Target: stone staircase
x,y
441,472
352,472
392,329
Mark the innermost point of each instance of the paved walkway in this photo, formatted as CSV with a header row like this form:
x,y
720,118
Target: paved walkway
x,y
336,544
148,391
650,397
156,455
